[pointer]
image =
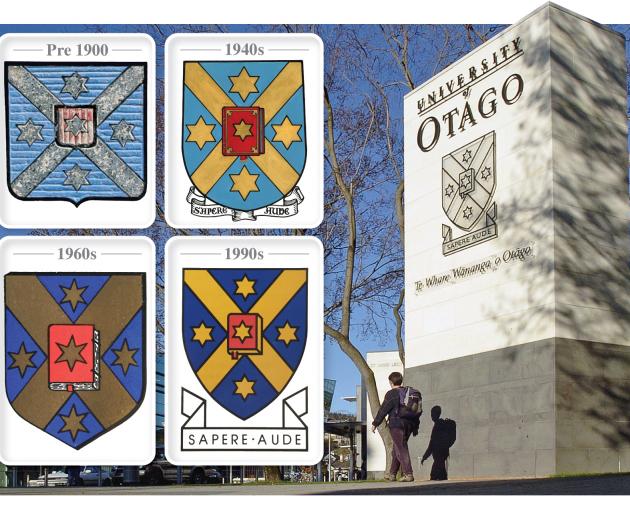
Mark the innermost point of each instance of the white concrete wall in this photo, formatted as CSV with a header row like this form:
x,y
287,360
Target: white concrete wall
x,y
561,191
382,364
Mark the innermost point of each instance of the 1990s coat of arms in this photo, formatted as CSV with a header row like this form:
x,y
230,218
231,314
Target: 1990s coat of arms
x,y
468,185
75,351
76,131
244,137
244,333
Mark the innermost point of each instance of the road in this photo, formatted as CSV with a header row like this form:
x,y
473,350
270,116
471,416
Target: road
x,y
582,485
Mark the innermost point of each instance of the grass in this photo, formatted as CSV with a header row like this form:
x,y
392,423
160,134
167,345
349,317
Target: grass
x,y
576,475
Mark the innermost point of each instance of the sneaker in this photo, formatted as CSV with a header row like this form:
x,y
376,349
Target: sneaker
x,y
388,476
406,478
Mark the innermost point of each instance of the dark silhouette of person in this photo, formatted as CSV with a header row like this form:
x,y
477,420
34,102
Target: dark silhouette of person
x,y
399,428
438,447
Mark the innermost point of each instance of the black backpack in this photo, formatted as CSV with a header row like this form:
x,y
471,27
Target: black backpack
x,y
410,403
446,433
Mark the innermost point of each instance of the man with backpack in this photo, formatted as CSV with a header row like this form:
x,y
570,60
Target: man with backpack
x,y
403,406
443,436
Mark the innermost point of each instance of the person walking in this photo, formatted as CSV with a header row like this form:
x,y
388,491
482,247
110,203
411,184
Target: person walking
x,y
403,407
443,437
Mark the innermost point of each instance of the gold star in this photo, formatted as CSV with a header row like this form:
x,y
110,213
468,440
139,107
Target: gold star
x,y
124,357
202,333
243,130
244,387
200,132
244,183
74,295
22,359
71,353
241,331
73,423
244,84
286,333
287,132
245,287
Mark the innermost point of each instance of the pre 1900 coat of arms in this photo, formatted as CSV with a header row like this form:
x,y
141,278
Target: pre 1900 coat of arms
x,y
76,131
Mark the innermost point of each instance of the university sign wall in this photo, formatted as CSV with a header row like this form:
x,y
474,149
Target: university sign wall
x,y
516,264
462,141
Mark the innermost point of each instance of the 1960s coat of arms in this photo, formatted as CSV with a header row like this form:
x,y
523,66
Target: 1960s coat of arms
x,y
76,131
244,137
75,351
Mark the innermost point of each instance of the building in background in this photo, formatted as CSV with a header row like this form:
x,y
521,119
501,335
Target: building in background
x,y
382,364
329,391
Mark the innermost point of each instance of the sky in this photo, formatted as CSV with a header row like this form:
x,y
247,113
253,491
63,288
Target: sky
x,y
337,366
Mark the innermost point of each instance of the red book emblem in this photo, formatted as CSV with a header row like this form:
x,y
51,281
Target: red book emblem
x,y
73,358
244,334
243,131
75,126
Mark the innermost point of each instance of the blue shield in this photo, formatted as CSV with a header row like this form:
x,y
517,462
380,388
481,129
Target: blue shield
x,y
76,132
244,332
244,131
75,364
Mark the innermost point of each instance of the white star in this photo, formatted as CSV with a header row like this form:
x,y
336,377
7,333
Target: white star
x,y
30,132
74,84
76,125
76,177
122,132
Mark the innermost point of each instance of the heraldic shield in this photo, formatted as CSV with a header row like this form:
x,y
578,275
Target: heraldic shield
x,y
76,132
469,181
244,332
75,351
244,131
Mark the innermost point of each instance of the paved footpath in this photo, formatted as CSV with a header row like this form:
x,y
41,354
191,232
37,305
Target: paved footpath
x,y
585,485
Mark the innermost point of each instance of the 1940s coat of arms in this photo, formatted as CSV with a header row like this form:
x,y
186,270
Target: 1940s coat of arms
x,y
244,137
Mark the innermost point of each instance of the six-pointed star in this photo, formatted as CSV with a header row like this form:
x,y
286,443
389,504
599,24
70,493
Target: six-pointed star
x,y
73,423
71,353
485,174
200,132
74,84
244,387
122,132
244,183
76,125
202,333
245,287
449,190
242,331
76,177
468,212
73,295
467,156
22,360
243,84
243,130
30,132
125,357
